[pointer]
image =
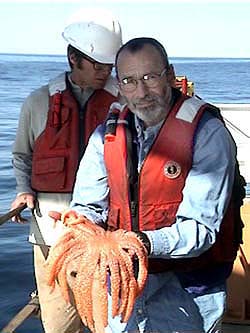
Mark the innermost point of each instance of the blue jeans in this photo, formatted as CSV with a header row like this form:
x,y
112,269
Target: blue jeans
x,y
212,306
165,307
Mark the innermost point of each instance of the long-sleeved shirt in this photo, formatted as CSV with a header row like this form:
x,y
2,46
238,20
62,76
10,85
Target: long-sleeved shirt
x,y
164,307
205,196
32,122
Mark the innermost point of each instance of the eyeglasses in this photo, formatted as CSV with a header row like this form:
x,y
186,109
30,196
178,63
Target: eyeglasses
x,y
151,80
98,66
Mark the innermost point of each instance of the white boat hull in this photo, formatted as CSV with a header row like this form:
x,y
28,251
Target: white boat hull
x,y
237,119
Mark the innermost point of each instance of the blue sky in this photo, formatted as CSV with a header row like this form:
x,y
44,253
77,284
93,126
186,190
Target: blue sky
x,y
188,28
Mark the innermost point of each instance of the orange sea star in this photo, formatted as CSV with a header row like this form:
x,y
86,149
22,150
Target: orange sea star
x,y
97,255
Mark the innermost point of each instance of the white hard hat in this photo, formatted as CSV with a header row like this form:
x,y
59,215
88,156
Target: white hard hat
x,y
95,33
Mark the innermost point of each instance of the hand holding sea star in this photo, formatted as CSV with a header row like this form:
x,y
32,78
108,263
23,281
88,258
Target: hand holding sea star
x,y
98,253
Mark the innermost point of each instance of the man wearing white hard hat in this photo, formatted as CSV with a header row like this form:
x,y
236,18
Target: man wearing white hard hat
x,y
55,123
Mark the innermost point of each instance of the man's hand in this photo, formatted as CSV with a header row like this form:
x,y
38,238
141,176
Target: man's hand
x,y
21,199
56,216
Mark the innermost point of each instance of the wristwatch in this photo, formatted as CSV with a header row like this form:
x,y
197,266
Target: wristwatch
x,y
144,238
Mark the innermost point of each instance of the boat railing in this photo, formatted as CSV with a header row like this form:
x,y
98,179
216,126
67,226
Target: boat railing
x,y
32,308
226,107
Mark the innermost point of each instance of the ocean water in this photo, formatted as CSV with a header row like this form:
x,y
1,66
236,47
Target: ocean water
x,y
215,80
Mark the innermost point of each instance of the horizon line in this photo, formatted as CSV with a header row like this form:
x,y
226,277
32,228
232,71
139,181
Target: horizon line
x,y
170,57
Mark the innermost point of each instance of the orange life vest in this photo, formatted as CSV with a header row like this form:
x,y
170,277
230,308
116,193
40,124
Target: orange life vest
x,y
56,151
160,184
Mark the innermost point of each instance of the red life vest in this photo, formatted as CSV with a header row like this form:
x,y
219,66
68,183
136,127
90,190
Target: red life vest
x,y
160,184
56,151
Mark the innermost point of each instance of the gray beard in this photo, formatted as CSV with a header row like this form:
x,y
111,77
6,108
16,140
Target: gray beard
x,y
154,114
151,116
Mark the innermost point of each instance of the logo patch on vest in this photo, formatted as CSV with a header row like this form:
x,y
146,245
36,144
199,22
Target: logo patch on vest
x,y
172,169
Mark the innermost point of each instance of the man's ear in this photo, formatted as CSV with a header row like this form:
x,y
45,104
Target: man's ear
x,y
72,58
171,76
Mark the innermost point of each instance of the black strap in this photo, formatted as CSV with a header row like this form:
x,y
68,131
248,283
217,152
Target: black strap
x,y
132,165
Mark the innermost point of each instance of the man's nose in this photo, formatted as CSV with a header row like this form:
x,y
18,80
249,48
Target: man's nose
x,y
141,89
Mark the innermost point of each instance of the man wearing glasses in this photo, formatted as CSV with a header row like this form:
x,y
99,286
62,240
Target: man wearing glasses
x,y
166,172
55,124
